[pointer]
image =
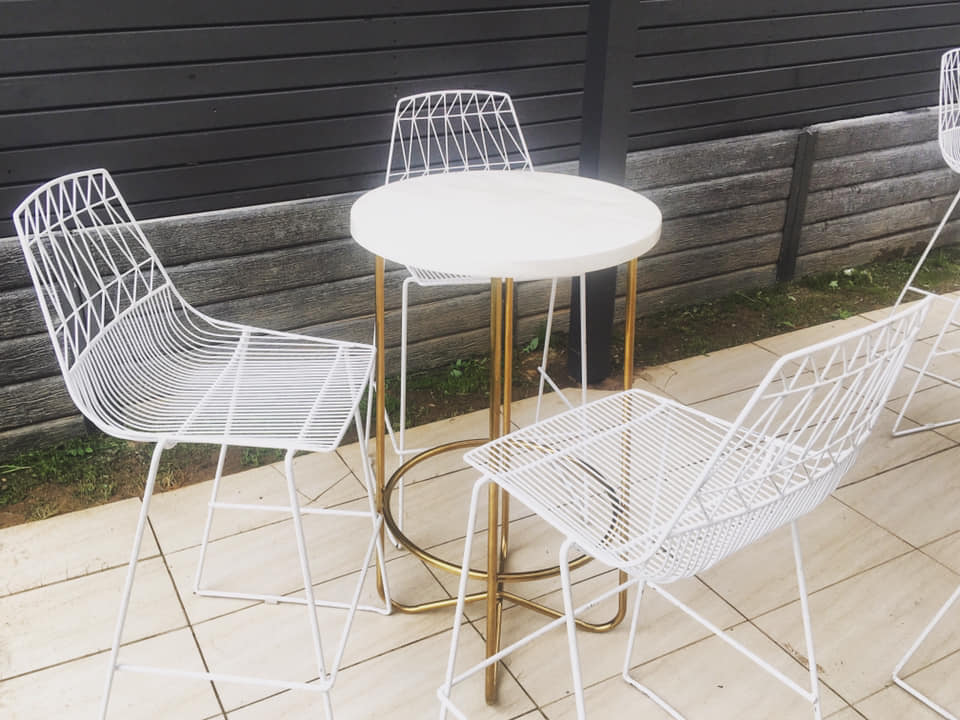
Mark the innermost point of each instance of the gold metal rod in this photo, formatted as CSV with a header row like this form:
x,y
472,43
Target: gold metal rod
x,y
507,404
630,329
380,410
440,563
435,604
493,492
496,319
551,612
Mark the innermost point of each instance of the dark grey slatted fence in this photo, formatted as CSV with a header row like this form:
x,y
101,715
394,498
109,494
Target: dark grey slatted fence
x,y
242,103
709,70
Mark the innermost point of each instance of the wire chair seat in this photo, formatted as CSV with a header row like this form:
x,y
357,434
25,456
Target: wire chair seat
x,y
430,278
568,470
196,379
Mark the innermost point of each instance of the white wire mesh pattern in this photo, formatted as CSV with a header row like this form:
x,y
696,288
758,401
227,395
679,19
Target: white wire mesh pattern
x,y
454,131
662,491
949,125
142,364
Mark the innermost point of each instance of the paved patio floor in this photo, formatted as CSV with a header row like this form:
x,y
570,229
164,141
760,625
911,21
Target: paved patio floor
x,y
881,554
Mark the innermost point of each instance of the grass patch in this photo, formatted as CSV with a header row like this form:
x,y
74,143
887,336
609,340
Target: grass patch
x,y
97,468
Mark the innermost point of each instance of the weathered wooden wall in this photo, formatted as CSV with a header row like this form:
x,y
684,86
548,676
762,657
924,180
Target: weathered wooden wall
x,y
878,185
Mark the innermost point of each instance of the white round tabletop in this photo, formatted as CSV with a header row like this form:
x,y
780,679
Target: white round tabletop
x,y
517,224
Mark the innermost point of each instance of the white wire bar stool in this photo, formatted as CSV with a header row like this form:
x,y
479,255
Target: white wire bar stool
x,y
661,491
442,132
949,139
142,364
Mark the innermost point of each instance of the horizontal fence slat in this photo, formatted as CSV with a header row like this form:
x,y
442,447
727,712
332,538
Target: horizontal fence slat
x,y
62,53
715,34
816,50
108,86
680,164
51,16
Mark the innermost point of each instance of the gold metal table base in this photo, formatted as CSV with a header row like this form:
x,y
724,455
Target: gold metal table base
x,y
501,381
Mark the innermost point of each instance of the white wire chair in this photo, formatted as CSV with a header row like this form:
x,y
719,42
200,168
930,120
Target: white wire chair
x,y
949,138
453,131
144,365
661,491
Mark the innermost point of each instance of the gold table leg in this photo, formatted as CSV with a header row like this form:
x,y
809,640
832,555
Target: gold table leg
x,y
501,396
494,602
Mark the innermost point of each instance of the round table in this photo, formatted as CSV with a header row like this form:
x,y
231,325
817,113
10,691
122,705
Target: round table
x,y
507,226
518,225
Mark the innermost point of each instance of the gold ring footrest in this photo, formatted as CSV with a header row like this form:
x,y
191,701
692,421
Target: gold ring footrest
x,y
438,562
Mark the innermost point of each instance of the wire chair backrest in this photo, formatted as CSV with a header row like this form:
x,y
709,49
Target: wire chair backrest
x,y
455,131
799,433
88,258
949,125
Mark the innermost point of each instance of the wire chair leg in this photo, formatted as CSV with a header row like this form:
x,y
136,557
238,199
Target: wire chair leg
x,y
631,641
632,637
402,446
376,518
546,348
923,257
924,371
583,339
913,648
311,607
209,523
131,572
571,623
807,629
443,693
811,696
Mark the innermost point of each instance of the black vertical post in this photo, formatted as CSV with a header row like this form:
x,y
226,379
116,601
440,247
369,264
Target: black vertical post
x,y
611,33
796,204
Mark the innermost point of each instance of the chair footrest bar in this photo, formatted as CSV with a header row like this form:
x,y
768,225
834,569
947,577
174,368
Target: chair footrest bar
x,y
923,698
538,632
555,387
808,695
286,509
921,428
290,600
935,376
667,707
226,677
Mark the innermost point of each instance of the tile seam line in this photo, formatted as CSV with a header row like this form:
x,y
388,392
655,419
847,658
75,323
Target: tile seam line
x,y
186,617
